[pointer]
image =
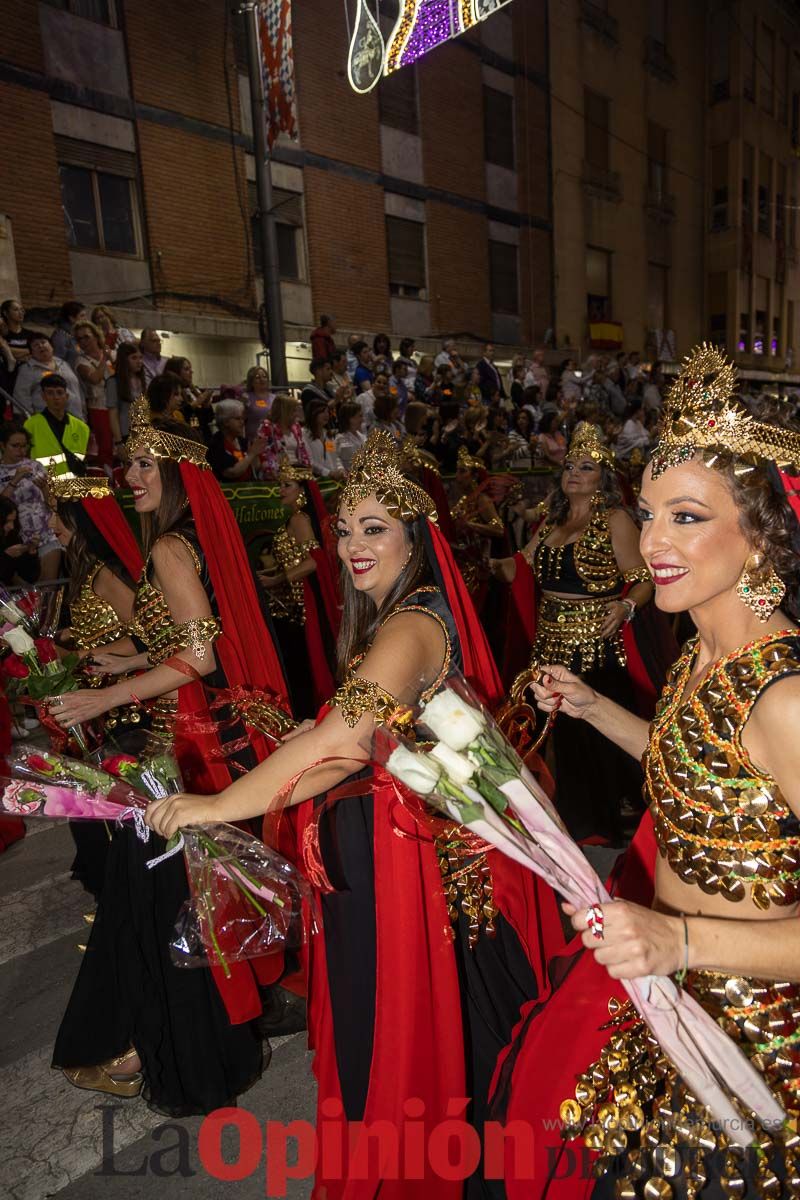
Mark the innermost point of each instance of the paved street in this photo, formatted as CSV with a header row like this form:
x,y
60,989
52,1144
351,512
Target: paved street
x,y
51,1134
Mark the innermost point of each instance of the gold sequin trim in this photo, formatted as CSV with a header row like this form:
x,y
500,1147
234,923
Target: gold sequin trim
x,y
638,575
467,883
93,620
288,601
720,822
595,561
632,1102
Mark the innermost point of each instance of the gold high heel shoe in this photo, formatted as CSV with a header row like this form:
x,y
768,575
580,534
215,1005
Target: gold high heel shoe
x,y
103,1079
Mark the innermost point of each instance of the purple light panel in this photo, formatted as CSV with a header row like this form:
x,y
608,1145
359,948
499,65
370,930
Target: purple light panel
x,y
436,22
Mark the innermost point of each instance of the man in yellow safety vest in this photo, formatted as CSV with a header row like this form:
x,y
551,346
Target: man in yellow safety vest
x,y
57,438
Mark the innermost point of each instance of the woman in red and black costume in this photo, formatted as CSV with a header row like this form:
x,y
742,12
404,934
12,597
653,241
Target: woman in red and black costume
x,y
134,1021
580,595
709,891
304,592
405,1004
103,562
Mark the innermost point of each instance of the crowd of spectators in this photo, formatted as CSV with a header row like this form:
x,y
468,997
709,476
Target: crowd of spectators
x,y
72,393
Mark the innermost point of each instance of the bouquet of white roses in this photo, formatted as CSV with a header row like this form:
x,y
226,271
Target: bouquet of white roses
x,y
470,772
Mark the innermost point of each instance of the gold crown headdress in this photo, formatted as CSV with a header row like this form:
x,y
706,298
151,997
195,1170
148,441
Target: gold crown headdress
x,y
74,487
289,473
413,455
587,443
468,462
161,444
702,415
377,471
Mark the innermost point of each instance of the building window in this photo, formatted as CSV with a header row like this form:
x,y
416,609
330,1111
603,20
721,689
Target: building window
x,y
595,130
598,284
99,210
718,308
657,21
782,83
657,296
498,128
762,306
790,325
720,55
287,208
102,11
747,186
780,205
744,332
405,242
719,187
397,100
766,70
765,195
503,278
775,340
656,161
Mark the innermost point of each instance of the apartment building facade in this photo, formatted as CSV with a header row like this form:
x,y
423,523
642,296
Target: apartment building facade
x,y
422,209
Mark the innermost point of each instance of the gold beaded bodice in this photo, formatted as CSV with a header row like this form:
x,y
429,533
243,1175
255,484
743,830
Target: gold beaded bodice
x,y
94,621
587,565
719,821
288,552
153,622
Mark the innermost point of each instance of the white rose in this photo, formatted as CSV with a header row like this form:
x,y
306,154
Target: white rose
x,y
452,720
458,767
19,641
416,771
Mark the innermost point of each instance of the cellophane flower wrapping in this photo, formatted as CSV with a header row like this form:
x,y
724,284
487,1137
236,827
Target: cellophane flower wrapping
x,y
43,783
246,900
470,772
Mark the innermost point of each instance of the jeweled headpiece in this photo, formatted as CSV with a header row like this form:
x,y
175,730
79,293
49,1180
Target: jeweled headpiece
x,y
413,455
703,416
587,443
468,462
75,487
289,473
377,471
161,444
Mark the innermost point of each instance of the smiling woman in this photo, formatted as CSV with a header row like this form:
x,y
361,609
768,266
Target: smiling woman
x,y
125,1028
411,998
590,580
711,892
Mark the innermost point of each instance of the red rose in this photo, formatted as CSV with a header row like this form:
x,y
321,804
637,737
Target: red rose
x,y
46,650
37,763
15,667
116,762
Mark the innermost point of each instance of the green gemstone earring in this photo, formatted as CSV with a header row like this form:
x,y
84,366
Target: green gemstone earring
x,y
759,587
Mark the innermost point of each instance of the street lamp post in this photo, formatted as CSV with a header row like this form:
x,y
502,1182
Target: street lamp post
x,y
269,240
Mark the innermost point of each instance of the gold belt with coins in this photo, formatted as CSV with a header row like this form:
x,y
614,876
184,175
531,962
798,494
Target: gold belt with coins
x,y
569,632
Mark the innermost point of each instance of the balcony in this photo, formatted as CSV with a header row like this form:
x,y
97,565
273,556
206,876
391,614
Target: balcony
x,y
658,60
601,183
659,204
600,22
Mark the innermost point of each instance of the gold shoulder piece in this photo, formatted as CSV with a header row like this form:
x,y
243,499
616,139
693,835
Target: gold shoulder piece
x,y
358,695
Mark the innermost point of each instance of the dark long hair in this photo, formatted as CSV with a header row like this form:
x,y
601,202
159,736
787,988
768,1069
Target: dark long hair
x,y
122,373
86,548
558,503
360,615
173,511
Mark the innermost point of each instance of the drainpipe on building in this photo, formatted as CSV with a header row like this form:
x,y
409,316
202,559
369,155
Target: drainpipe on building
x,y
269,241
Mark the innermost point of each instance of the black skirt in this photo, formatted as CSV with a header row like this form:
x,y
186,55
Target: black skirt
x,y
129,993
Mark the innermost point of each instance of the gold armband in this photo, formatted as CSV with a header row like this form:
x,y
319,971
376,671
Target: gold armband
x,y
188,635
638,575
357,696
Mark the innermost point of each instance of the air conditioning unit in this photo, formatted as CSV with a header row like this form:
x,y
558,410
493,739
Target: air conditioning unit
x,y
9,280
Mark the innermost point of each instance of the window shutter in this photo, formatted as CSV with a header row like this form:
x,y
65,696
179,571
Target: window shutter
x,y
75,153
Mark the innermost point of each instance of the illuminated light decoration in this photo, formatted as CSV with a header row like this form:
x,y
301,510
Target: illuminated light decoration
x,y
365,57
421,26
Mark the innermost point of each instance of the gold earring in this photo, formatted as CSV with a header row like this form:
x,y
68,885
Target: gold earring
x,y
759,587
300,502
